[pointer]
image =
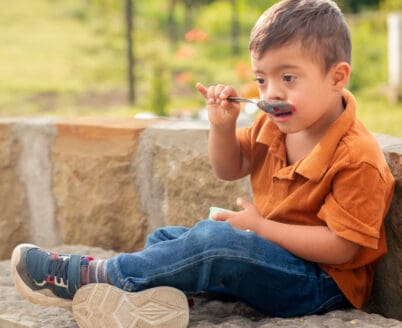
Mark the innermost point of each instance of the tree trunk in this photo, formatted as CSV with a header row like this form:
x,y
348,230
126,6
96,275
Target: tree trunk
x,y
235,28
188,18
171,22
130,55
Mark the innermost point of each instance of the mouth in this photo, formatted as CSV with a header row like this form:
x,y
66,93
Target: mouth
x,y
279,112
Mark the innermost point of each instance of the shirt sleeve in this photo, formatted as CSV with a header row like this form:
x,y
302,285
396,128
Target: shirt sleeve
x,y
244,137
357,205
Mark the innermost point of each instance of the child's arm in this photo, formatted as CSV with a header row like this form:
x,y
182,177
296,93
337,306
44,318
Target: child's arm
x,y
223,147
312,243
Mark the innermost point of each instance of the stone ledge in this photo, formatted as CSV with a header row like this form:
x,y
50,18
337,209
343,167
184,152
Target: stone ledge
x,y
117,179
16,312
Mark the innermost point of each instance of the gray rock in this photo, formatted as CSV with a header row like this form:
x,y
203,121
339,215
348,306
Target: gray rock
x,y
387,290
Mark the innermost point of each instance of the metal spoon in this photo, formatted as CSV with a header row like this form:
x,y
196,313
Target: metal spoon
x,y
272,106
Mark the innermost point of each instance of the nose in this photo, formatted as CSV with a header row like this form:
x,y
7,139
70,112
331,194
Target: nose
x,y
273,92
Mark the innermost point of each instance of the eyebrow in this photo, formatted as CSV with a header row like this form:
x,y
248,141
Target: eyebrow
x,y
278,68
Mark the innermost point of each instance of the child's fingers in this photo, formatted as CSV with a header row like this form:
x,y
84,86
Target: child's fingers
x,y
202,89
217,91
243,203
226,91
220,216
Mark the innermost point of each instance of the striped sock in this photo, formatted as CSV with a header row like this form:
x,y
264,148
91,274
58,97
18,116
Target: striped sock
x,y
85,260
97,272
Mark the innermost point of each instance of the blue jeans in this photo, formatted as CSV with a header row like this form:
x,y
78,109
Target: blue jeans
x,y
213,256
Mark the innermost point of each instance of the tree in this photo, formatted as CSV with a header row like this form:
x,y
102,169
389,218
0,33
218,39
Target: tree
x,y
356,5
189,6
171,22
235,28
130,56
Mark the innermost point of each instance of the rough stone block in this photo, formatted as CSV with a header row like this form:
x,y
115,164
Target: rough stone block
x,y
13,200
108,182
27,208
97,203
35,137
387,292
172,171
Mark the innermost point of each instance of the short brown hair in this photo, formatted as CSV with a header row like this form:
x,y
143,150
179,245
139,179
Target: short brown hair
x,y
318,24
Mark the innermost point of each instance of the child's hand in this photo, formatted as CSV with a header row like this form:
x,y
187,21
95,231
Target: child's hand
x,y
247,219
221,112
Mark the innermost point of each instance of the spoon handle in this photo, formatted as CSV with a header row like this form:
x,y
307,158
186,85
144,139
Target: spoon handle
x,y
239,99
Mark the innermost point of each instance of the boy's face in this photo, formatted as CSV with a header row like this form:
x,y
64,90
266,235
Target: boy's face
x,y
289,74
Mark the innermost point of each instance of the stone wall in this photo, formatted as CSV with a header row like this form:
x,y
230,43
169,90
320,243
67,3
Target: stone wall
x,y
387,293
107,182
104,182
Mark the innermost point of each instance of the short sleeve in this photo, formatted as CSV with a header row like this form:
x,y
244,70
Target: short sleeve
x,y
357,205
244,137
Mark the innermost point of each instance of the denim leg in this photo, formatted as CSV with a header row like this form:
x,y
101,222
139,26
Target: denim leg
x,y
212,255
164,234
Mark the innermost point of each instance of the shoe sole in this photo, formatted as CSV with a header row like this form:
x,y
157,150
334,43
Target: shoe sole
x,y
42,297
104,305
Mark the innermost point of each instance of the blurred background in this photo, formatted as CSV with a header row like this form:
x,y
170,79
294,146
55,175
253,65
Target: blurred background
x,y
127,58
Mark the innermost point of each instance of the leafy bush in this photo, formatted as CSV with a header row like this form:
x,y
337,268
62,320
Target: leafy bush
x,y
369,57
77,48
391,5
159,91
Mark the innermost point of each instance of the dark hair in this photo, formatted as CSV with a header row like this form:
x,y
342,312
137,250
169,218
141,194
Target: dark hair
x,y
318,24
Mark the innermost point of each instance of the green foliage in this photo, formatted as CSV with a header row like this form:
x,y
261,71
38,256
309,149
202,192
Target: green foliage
x,y
355,6
260,5
197,2
378,114
369,59
211,20
391,5
159,91
71,59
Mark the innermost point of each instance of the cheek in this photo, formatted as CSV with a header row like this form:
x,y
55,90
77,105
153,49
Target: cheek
x,y
299,101
307,99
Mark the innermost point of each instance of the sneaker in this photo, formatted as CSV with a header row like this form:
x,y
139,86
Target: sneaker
x,y
103,305
43,277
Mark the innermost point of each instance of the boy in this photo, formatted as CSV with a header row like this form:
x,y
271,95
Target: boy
x,y
321,189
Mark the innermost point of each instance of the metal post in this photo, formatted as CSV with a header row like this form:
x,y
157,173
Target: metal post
x,y
395,55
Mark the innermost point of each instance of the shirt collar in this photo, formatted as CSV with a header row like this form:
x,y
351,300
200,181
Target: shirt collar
x,y
272,136
318,161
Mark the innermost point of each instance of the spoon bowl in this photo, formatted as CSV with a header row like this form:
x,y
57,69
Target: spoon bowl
x,y
271,107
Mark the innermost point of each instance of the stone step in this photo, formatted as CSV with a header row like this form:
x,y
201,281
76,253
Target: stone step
x,y
15,312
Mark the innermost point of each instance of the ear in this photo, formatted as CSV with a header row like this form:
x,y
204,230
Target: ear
x,y
339,75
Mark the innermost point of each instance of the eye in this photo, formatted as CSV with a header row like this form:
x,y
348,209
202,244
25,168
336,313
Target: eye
x,y
260,81
288,78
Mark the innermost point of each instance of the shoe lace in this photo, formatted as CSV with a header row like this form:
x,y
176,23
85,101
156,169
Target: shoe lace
x,y
59,269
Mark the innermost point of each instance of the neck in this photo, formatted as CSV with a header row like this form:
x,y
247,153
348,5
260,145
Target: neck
x,y
301,143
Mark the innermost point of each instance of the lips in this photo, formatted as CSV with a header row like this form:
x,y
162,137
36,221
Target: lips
x,y
280,112
281,116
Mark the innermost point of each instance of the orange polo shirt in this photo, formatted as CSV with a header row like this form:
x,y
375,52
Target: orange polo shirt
x,y
344,183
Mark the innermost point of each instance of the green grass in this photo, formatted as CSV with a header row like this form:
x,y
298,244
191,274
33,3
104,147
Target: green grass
x,y
67,58
50,55
379,115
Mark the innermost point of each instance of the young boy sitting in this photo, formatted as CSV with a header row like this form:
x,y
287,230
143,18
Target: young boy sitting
x,y
310,240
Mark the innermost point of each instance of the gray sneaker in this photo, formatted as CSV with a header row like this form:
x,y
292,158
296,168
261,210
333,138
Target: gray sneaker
x,y
103,305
